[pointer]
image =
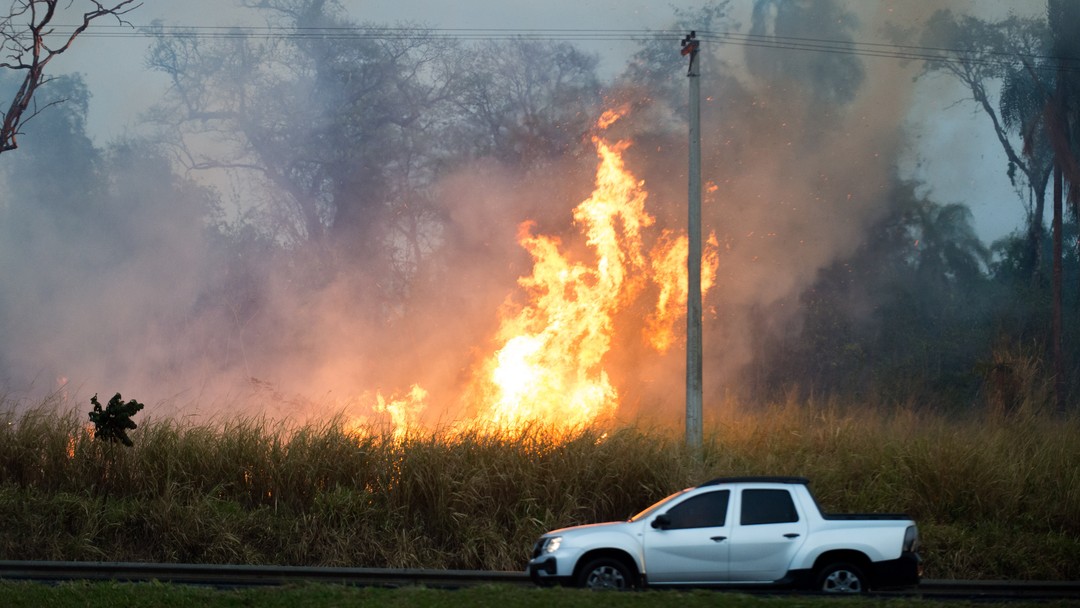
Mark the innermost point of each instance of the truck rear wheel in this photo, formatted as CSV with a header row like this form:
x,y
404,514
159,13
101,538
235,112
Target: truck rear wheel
x,y
841,577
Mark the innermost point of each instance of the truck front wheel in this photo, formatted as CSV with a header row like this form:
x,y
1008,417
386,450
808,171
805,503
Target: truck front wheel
x,y
841,577
605,573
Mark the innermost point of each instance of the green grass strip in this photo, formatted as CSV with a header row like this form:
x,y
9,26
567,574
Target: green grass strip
x,y
136,595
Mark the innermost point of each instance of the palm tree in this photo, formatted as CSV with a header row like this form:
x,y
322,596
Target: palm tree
x,y
1063,132
978,63
1043,106
1022,105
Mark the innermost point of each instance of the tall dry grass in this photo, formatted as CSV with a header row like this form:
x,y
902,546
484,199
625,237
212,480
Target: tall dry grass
x,y
995,497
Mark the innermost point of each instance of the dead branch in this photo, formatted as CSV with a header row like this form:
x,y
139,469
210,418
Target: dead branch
x,y
24,47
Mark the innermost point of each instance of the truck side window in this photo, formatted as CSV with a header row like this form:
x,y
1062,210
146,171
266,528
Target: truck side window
x,y
701,511
767,507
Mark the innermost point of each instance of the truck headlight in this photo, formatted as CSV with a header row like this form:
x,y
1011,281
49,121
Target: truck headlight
x,y
552,545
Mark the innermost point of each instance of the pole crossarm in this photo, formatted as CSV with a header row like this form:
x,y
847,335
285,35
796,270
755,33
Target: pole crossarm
x,y
690,47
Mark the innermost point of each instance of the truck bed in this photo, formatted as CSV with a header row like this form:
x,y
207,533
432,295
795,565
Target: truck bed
x,y
865,516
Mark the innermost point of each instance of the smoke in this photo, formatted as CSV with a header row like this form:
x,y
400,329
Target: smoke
x,y
800,150
800,157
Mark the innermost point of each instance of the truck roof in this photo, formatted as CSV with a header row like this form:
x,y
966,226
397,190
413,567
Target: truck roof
x,y
756,479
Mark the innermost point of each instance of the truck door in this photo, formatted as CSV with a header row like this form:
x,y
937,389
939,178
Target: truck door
x,y
769,532
692,546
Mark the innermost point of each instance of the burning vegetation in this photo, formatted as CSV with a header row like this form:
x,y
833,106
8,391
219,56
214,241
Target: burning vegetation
x,y
550,361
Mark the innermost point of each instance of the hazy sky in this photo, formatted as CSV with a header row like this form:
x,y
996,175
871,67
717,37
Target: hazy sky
x,y
961,161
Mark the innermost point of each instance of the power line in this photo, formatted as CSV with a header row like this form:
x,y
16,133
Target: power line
x,y
897,51
785,43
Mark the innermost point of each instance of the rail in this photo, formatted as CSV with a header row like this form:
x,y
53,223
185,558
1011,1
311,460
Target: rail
x,y
251,576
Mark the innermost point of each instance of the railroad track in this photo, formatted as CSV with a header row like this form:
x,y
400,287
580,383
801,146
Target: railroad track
x,y
251,576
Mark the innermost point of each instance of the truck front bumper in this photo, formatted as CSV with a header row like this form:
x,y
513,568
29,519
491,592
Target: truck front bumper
x,y
545,571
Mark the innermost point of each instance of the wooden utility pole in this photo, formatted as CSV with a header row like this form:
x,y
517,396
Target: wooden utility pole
x,y
693,262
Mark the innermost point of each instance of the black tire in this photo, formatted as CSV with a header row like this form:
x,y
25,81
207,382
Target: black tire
x,y
606,573
841,578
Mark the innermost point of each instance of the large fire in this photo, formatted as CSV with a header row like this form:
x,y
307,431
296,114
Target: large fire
x,y
549,364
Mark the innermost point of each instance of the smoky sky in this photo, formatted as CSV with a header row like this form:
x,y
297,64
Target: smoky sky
x,y
118,277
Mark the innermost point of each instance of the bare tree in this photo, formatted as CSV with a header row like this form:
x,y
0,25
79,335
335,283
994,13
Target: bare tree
x,y
27,33
525,101
987,54
331,141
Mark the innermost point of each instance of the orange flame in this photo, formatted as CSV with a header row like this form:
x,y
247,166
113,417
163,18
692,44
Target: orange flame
x,y
668,263
404,411
548,367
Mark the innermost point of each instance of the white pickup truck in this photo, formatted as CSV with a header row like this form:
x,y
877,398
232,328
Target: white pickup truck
x,y
738,531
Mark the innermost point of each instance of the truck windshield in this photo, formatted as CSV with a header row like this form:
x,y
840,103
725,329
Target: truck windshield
x,y
656,506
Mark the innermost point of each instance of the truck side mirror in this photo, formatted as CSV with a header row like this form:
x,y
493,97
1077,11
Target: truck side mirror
x,y
662,522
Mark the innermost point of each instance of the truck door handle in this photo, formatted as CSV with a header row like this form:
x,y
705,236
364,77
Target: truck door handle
x,y
718,538
791,535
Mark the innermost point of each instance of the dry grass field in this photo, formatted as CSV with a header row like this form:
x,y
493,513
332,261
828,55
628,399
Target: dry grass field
x,y
995,498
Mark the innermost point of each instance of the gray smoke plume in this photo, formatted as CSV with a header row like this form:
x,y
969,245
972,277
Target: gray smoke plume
x,y
113,282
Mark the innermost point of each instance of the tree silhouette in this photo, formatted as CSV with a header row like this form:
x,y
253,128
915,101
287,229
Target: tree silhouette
x,y
985,54
26,33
